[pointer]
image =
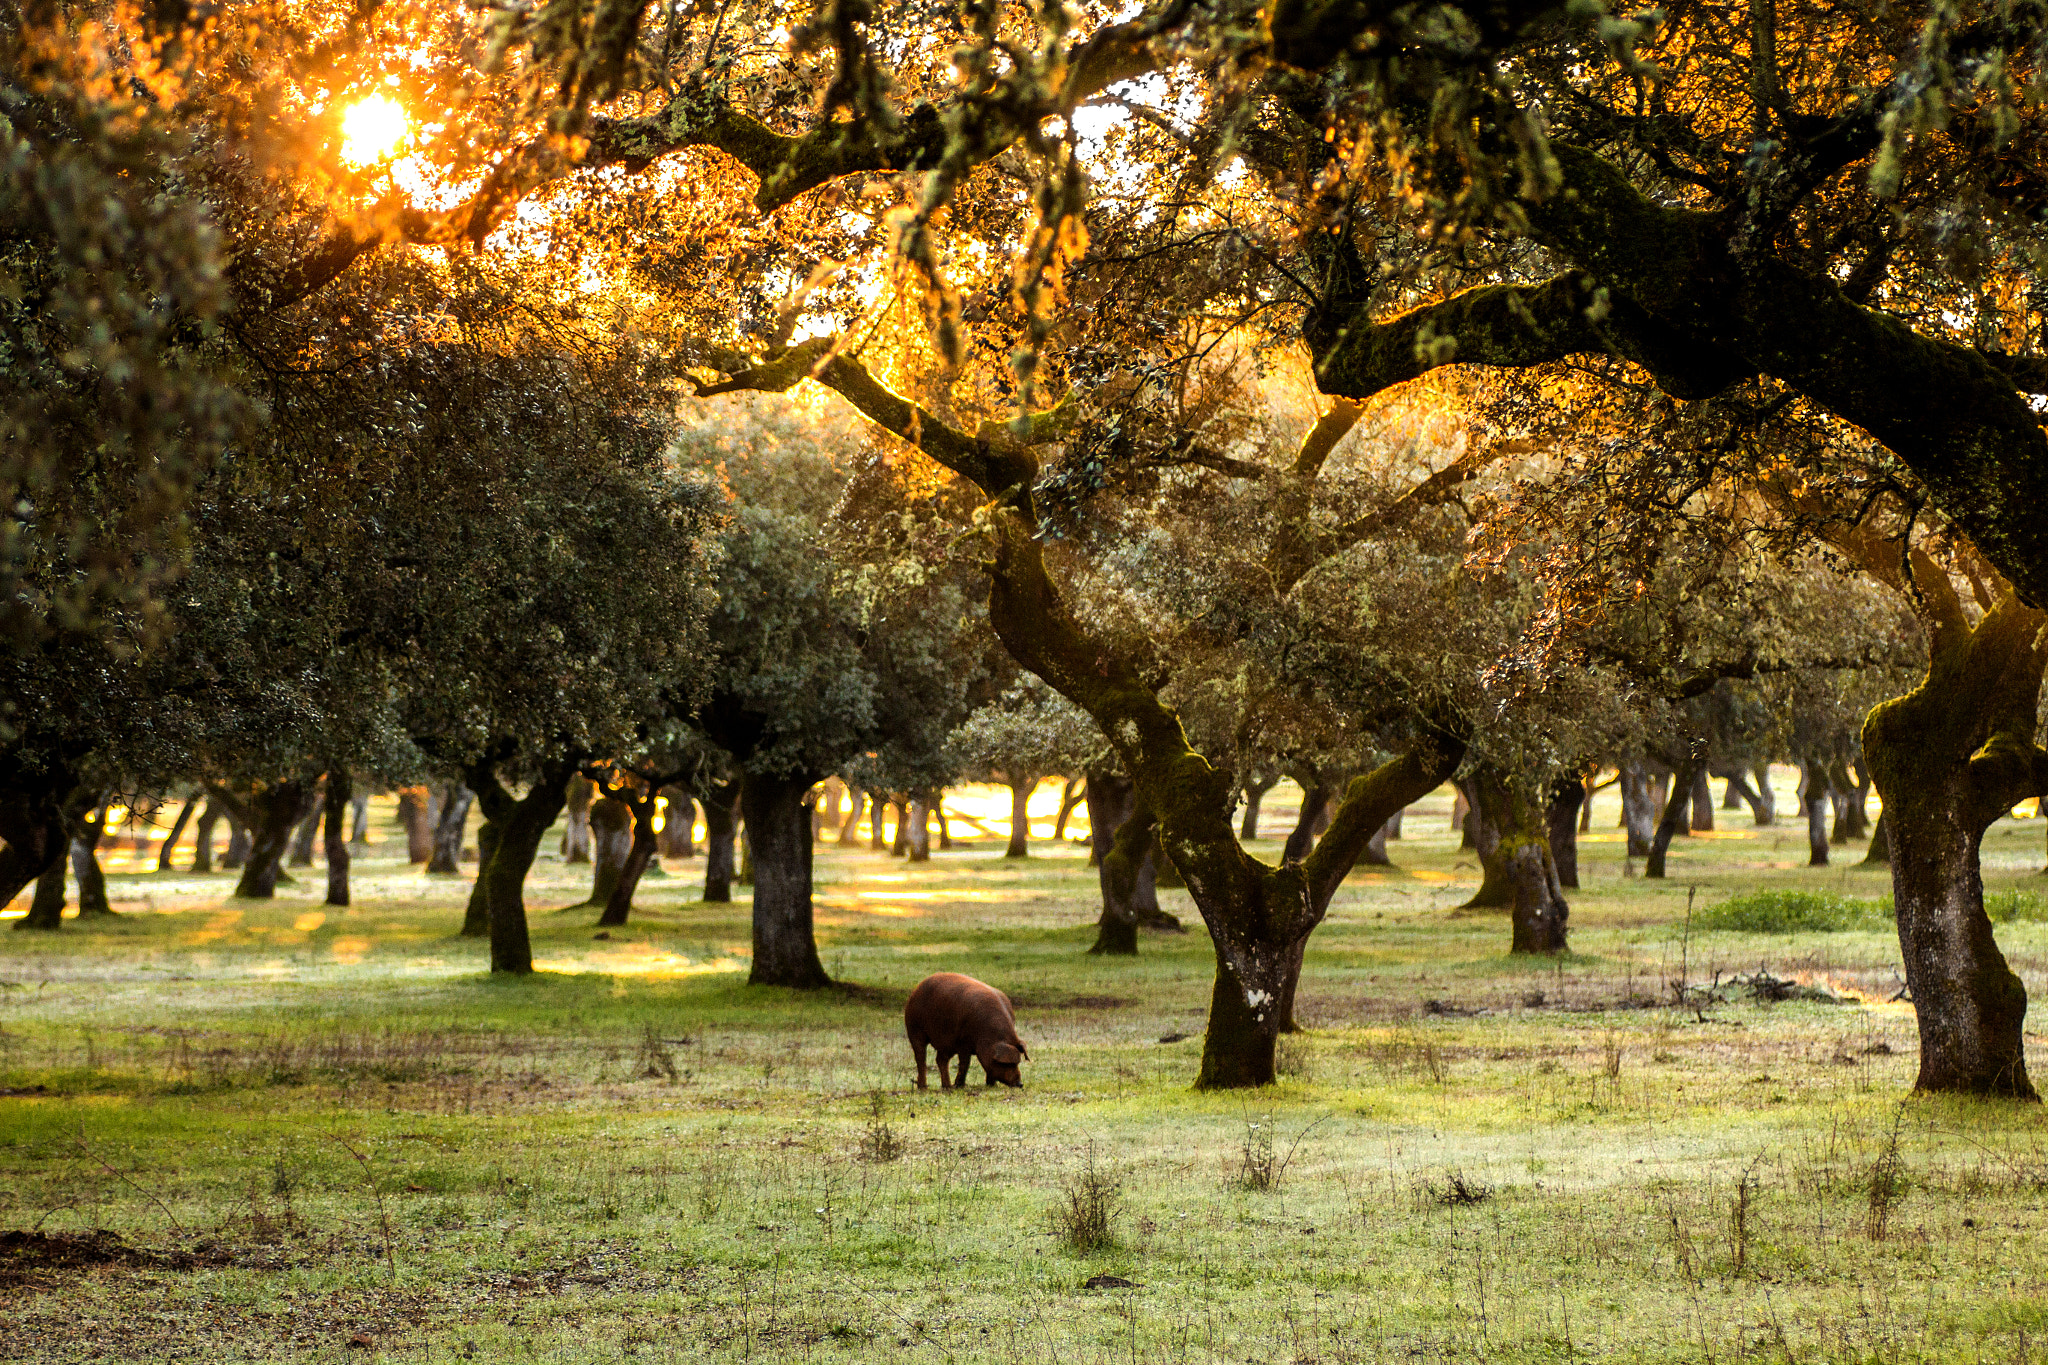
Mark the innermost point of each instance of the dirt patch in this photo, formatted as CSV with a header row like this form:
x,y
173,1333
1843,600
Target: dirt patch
x,y
26,1255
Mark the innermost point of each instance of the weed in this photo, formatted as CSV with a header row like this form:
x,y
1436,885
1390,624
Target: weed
x,y
2004,907
878,1141
1793,912
1088,1203
1741,1217
654,1061
1458,1190
1261,1165
1293,1059
1610,1057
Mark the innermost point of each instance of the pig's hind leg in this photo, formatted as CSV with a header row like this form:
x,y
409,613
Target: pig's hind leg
x,y
960,1081
917,1047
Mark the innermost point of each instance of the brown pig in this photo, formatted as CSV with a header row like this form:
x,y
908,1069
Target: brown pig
x,y
961,1017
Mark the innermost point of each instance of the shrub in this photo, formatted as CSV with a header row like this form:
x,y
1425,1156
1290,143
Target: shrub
x,y
2005,907
1087,1206
1793,912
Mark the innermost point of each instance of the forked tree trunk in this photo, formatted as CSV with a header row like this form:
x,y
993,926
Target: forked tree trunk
x,y
1949,758
1020,816
611,843
449,830
522,823
720,803
338,786
308,830
1522,846
185,812
576,798
779,823
1683,781
202,837
273,813
644,843
1561,819
1072,792
1739,792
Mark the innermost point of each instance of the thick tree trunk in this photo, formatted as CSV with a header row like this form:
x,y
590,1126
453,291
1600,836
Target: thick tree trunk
x,y
1638,807
46,909
1020,816
239,843
33,838
1814,792
1315,799
611,843
1702,801
1496,878
449,830
1254,796
1392,829
678,825
917,844
273,813
1522,846
308,830
476,915
1852,815
338,785
202,837
779,823
577,796
185,812
414,814
1684,782
1111,797
1567,798
522,824
85,865
721,804
1072,792
644,843
1127,884
1880,843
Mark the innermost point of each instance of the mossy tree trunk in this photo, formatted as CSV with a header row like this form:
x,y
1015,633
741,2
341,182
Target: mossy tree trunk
x,y
1482,824
1522,847
1128,888
1948,759
1315,799
778,817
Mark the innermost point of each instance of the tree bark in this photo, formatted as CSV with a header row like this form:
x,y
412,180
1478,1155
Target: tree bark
x,y
239,843
1128,890
643,845
1020,816
359,823
1496,876
899,847
878,821
1110,797
1638,807
1702,801
1813,794
1522,846
185,812
272,814
46,909
1852,816
779,823
939,816
1766,798
678,824
450,829
338,794
309,828
917,844
522,824
1684,786
849,833
476,915
1315,797
419,826
202,837
611,843
1739,792
576,829
1880,850
85,864
1949,759
720,801
1561,818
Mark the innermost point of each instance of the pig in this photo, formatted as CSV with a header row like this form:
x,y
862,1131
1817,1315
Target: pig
x,y
961,1017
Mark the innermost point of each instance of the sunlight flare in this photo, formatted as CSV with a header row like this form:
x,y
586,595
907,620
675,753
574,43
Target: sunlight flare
x,y
373,130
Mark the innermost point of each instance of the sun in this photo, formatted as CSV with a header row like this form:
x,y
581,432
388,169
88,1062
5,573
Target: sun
x,y
372,130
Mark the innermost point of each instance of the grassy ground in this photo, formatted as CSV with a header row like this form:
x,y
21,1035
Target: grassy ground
x,y
320,1135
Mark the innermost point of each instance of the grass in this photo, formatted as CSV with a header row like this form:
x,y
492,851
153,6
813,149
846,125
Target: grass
x,y
309,1128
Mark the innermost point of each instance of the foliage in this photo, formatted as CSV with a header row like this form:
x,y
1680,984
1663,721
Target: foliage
x,y
1793,912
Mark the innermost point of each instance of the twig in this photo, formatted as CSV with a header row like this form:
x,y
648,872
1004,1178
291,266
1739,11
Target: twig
x,y
383,1218
95,1157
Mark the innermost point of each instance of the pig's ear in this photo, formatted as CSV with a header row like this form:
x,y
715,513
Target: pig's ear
x,y
1004,1054
1023,1052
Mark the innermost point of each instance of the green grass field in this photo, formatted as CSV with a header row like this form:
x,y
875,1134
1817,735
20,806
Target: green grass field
x,y
330,1135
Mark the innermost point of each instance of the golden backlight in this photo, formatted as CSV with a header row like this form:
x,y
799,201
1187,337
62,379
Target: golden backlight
x,y
372,130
